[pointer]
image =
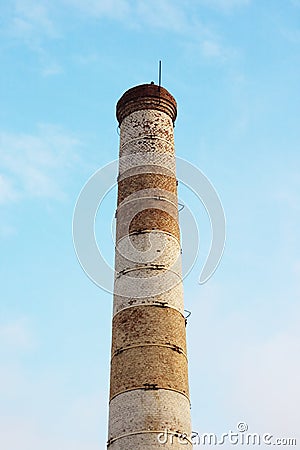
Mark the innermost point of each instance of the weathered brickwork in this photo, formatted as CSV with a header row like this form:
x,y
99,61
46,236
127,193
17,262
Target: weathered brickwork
x,y
146,96
154,218
144,325
148,282
144,181
170,298
155,126
158,411
147,143
145,162
149,392
148,441
140,250
140,367
148,209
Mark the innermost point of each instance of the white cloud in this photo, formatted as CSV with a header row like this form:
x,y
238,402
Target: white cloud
x,y
34,23
31,23
48,65
36,165
248,364
33,390
30,401
163,14
167,14
51,68
7,192
288,195
115,9
267,383
35,13
290,34
32,19
7,231
296,3
16,335
27,433
215,50
87,58
208,47
225,5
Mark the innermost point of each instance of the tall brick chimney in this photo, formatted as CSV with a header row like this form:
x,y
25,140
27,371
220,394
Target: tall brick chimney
x,y
149,395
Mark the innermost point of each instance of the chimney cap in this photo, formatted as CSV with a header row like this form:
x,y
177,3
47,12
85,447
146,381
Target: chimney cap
x,y
146,96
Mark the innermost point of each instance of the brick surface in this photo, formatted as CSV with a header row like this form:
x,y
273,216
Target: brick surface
x,y
149,390
146,325
147,161
150,248
171,298
144,181
146,282
140,367
148,96
159,216
147,442
158,412
147,144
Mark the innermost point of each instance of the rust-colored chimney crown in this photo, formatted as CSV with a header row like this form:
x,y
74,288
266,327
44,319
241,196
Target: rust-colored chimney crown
x,y
146,96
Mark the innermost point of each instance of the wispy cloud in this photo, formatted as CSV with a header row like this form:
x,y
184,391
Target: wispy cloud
x,y
31,19
291,34
224,5
16,335
171,16
253,350
270,371
162,14
165,14
115,9
208,46
51,68
36,165
87,58
35,24
214,49
29,404
198,38
7,192
7,231
295,3
40,429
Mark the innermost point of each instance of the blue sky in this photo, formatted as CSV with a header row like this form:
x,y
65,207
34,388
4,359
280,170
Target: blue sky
x,y
233,67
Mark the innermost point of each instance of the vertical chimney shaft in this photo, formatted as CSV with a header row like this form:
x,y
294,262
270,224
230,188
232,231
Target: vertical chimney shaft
x,y
149,396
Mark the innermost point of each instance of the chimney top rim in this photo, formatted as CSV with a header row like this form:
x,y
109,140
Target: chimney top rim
x,y
146,96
